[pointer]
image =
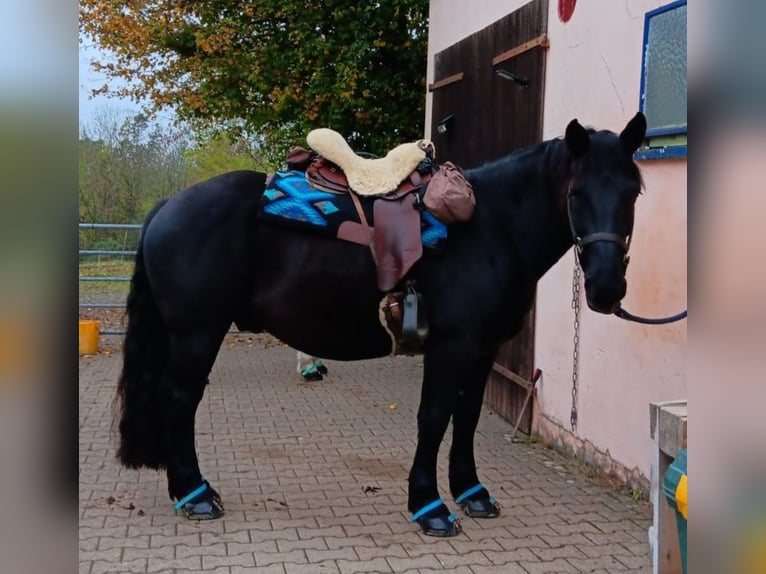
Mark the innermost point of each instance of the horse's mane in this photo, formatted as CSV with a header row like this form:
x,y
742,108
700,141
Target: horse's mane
x,y
550,158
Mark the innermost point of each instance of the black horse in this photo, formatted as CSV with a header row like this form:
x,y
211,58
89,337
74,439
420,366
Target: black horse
x,y
207,260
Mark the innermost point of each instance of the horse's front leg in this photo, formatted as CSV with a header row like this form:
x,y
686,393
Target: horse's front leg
x,y
443,365
465,486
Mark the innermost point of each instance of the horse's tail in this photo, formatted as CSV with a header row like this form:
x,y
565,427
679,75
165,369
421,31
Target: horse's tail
x,y
145,352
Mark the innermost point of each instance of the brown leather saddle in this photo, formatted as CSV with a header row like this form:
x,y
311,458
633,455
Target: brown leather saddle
x,y
394,240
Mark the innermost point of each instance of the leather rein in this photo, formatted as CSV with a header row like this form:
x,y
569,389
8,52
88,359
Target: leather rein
x,y
624,242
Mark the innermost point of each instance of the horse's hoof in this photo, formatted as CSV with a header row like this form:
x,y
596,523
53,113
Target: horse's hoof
x,y
435,519
442,525
209,508
206,505
312,376
322,369
485,507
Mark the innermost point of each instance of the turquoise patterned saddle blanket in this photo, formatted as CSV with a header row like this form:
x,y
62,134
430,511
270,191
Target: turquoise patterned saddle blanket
x,y
289,199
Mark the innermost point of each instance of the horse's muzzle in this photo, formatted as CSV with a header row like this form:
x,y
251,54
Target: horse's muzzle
x,y
605,296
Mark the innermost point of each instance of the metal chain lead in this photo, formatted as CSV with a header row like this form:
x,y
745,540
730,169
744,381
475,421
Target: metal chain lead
x,y
576,348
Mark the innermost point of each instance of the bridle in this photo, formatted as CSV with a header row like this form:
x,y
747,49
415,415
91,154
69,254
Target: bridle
x,y
624,242
581,242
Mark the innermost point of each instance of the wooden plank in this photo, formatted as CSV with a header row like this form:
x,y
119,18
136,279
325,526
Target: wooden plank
x,y
669,426
508,374
541,40
445,82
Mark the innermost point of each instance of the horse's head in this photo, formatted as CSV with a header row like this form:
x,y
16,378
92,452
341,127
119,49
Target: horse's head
x,y
603,185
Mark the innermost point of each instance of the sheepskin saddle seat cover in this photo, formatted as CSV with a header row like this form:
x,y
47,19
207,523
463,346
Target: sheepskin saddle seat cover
x,y
368,176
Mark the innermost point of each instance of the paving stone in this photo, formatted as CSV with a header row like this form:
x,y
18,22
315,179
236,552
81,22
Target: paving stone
x,y
357,566
507,568
100,567
559,565
292,461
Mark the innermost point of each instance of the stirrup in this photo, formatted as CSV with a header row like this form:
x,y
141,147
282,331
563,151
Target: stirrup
x,y
414,322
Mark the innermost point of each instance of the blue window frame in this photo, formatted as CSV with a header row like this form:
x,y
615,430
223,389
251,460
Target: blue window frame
x,y
663,82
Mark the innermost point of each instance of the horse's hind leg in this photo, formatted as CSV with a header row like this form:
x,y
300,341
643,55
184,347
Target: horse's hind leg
x,y
191,357
465,486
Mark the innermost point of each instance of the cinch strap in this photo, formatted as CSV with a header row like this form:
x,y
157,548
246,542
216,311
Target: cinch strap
x,y
427,508
197,491
469,492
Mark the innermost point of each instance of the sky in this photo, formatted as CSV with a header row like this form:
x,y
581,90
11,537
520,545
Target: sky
x,y
89,80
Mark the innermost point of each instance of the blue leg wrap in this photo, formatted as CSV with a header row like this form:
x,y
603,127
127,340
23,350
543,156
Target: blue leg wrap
x,y
469,492
194,493
312,368
429,507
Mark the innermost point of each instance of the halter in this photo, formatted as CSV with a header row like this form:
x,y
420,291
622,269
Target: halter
x,y
581,242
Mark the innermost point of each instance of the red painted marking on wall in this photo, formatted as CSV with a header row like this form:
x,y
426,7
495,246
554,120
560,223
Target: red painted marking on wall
x,y
566,9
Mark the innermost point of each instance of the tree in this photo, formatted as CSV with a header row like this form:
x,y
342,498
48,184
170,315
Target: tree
x,y
127,164
271,69
216,155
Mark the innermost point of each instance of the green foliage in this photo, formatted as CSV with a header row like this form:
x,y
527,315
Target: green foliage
x,y
127,165
218,155
273,68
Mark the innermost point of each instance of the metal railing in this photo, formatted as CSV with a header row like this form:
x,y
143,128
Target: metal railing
x,y
106,278
110,278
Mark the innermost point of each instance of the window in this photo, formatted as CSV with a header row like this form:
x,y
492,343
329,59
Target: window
x,y
663,82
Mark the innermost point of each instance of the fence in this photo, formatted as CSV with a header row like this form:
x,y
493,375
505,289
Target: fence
x,y
109,253
85,254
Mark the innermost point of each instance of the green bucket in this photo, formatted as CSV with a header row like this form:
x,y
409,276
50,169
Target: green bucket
x,y
675,488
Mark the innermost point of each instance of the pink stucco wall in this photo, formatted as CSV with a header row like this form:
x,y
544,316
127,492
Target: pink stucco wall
x,y
593,74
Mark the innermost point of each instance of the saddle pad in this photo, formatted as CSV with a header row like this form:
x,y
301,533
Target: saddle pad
x,y
290,200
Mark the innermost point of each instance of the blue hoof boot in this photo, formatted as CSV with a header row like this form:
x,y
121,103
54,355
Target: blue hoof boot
x,y
482,506
313,372
203,510
442,526
435,519
204,503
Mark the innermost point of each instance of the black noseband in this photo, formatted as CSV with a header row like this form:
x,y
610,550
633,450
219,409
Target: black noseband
x,y
581,242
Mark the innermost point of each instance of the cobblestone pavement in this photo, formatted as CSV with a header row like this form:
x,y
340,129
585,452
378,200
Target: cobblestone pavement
x,y
314,480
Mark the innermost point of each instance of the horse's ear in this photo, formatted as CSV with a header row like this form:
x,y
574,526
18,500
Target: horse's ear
x,y
577,139
634,133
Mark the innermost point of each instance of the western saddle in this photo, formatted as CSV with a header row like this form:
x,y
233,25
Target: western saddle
x,y
394,240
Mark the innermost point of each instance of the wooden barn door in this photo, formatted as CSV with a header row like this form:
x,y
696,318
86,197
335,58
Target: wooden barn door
x,y
479,115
